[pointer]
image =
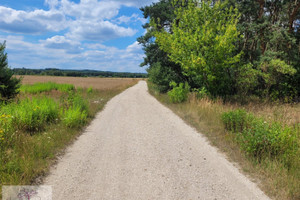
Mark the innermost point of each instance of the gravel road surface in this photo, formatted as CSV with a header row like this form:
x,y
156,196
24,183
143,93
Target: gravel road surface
x,y
138,149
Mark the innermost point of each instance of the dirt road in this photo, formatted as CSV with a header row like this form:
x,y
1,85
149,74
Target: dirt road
x,y
138,149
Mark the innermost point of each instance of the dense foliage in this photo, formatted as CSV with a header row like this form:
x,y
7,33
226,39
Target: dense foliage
x,y
161,69
8,84
179,93
202,42
225,47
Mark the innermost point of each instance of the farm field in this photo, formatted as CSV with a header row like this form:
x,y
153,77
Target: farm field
x,y
96,83
47,115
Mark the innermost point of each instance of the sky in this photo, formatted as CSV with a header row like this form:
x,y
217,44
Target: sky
x,y
73,34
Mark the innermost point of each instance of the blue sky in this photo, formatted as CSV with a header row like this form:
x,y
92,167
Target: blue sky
x,y
73,34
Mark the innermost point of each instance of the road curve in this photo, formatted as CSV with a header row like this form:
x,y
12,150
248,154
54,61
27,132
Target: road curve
x,y
138,149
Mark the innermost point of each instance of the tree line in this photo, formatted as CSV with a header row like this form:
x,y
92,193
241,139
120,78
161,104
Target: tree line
x,y
76,73
225,48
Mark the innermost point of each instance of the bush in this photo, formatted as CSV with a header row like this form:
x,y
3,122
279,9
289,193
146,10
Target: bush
x,y
74,117
32,114
179,93
235,121
201,93
259,138
76,100
76,112
90,90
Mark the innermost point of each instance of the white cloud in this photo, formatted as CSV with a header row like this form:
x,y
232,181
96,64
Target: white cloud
x,y
60,42
135,3
134,48
98,31
129,19
97,57
90,9
85,25
33,22
52,3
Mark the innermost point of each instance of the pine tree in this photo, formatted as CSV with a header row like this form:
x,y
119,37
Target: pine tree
x,y
9,85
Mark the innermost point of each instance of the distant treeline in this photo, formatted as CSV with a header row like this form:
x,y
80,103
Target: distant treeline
x,y
76,73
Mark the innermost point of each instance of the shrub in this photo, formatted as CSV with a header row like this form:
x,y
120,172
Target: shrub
x,y
76,100
75,114
201,93
235,121
74,117
90,90
32,114
259,138
179,93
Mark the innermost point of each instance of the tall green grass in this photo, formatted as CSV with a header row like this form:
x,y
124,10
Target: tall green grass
x,y
46,87
260,139
76,110
33,114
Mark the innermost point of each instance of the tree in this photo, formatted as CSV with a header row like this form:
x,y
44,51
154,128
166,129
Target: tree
x,y
161,70
202,41
9,85
271,33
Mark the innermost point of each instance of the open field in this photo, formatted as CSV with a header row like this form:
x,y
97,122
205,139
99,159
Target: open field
x,y
96,83
274,127
44,119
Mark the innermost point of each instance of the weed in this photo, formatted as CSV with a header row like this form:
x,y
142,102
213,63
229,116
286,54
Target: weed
x,y
46,87
259,138
74,117
179,93
90,90
32,114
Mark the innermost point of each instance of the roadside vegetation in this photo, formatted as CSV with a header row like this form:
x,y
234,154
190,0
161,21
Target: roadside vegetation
x,y
232,70
37,121
46,87
263,138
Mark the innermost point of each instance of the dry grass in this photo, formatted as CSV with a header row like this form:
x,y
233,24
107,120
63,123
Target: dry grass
x,y
96,83
288,114
205,115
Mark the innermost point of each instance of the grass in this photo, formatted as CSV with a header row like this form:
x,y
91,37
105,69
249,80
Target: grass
x,y
46,87
38,126
102,84
262,138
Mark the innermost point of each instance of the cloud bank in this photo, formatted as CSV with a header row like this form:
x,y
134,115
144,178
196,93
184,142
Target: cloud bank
x,y
73,35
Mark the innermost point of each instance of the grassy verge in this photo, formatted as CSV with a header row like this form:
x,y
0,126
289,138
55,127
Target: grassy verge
x,y
262,138
41,123
46,87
